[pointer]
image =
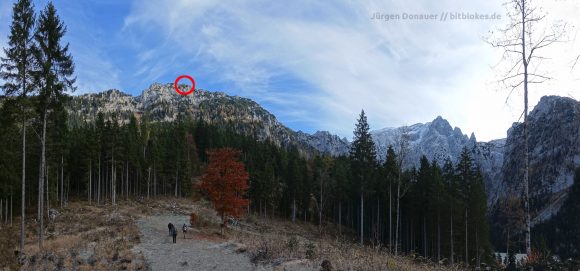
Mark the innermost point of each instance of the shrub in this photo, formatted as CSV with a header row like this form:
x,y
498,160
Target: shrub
x,y
310,251
292,243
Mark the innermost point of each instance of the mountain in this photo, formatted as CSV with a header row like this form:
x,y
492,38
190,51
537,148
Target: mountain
x,y
554,147
554,136
554,153
325,142
160,103
437,140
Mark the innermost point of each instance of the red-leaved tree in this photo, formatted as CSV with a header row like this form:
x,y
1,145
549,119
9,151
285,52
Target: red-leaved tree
x,y
226,181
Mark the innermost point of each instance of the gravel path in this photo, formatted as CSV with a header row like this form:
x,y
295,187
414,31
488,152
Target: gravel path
x,y
187,254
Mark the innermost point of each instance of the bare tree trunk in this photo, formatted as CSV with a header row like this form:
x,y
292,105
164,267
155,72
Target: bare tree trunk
x,y
176,181
451,240
148,181
361,218
476,246
340,217
398,215
466,255
526,146
61,179
122,186
67,189
113,181
127,180
57,186
90,180
438,235
99,183
41,181
378,221
47,190
23,202
293,210
425,237
390,217
320,208
507,249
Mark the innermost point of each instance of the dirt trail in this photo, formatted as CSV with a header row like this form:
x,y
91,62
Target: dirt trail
x,y
187,254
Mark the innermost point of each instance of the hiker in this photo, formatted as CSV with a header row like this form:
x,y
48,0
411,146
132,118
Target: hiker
x,y
173,233
169,226
184,229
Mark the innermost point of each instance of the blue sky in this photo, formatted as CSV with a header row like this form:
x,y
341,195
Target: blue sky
x,y
314,64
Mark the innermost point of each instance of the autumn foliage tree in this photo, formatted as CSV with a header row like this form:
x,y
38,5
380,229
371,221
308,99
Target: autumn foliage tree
x,y
226,181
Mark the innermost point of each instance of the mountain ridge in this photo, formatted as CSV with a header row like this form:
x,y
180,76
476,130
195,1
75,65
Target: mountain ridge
x,y
437,139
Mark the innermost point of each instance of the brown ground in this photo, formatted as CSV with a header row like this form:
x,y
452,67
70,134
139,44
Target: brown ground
x,y
134,236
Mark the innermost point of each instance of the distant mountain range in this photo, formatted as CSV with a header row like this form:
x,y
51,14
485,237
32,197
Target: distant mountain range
x,y
554,136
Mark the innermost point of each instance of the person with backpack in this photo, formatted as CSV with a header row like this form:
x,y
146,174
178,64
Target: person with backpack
x,y
184,229
173,233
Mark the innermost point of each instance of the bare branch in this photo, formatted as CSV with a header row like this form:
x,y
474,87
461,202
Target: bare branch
x,y
575,62
513,87
540,76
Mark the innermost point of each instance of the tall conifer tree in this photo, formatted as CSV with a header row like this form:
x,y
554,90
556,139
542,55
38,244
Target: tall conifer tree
x,y
363,156
53,75
16,71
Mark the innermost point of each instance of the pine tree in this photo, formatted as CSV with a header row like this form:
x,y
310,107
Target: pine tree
x,y
423,201
323,167
402,145
16,71
363,157
451,199
53,76
438,196
391,173
479,219
340,175
464,171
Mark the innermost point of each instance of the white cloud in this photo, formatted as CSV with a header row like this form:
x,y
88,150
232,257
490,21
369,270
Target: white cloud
x,y
89,45
94,70
400,72
5,19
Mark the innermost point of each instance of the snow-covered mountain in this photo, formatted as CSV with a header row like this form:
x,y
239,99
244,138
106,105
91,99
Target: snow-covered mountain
x,y
437,140
325,142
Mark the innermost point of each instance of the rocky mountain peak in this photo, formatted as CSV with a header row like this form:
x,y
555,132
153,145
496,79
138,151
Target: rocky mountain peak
x,y
472,138
441,125
548,106
554,153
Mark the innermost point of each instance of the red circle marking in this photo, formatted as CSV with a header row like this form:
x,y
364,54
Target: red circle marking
x,y
182,92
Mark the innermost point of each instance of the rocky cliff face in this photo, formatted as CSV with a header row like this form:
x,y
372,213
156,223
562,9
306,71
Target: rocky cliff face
x,y
325,142
160,103
554,152
437,140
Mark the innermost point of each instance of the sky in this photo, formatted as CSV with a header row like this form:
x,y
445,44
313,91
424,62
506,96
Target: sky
x,y
316,64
